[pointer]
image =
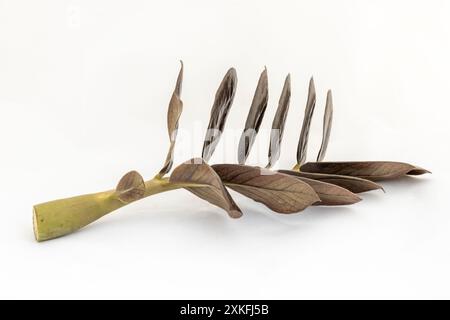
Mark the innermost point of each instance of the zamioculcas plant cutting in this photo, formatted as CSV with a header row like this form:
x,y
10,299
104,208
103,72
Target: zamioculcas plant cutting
x,y
283,191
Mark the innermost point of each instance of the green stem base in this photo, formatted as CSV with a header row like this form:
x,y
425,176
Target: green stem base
x,y
60,217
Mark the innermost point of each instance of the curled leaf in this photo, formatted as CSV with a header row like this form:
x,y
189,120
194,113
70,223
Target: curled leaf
x,y
254,118
276,134
279,192
131,187
327,120
370,170
353,184
330,194
175,106
304,134
219,112
179,84
203,181
173,116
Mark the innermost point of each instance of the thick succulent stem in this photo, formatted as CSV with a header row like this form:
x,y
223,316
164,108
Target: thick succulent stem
x,y
60,217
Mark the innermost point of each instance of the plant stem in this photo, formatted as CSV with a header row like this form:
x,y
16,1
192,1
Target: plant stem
x,y
60,217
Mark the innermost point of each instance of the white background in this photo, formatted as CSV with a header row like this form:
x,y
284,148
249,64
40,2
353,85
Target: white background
x,y
84,87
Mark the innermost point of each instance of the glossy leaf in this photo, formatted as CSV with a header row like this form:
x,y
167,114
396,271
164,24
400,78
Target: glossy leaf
x,y
330,194
371,170
254,118
173,116
353,184
279,192
131,187
304,134
219,112
276,135
203,181
327,120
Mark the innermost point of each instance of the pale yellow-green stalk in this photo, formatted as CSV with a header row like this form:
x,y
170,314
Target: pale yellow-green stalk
x,y
60,217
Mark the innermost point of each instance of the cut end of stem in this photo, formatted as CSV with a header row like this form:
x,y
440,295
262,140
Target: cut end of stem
x,y
35,226
60,217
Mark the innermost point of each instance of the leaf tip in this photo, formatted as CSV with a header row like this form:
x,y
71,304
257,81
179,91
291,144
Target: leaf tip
x,y
235,213
264,75
312,87
376,186
286,92
416,171
232,73
316,198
